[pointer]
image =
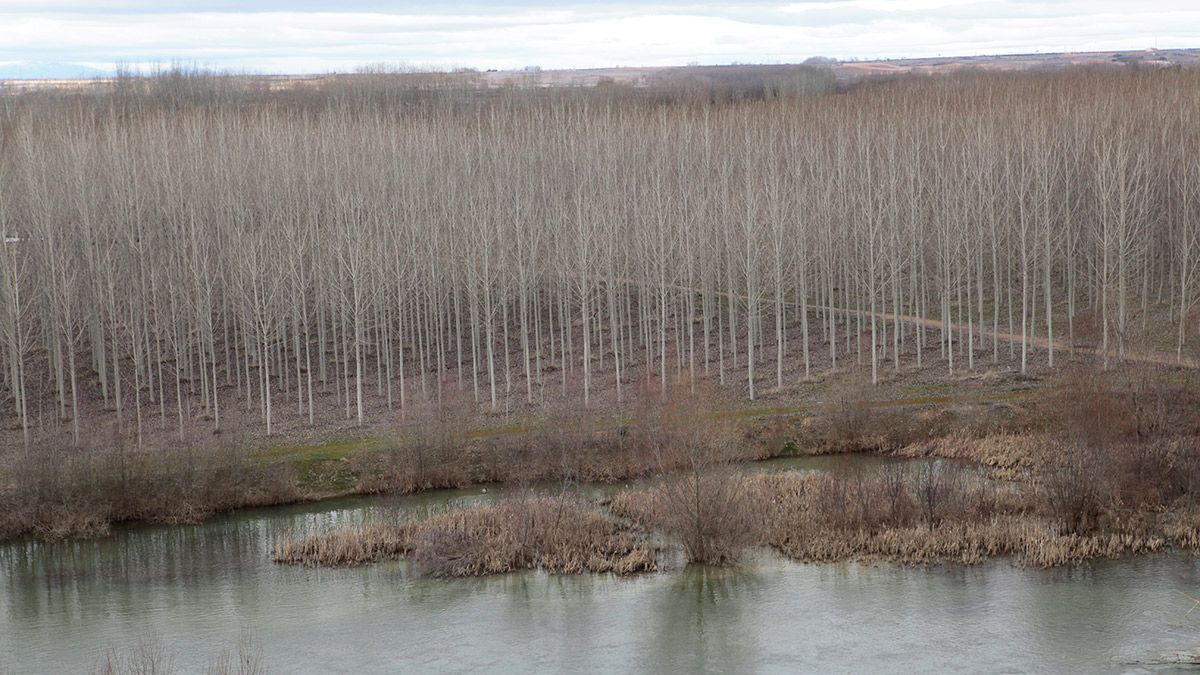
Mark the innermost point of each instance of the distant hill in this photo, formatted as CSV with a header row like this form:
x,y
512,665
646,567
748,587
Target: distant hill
x,y
47,70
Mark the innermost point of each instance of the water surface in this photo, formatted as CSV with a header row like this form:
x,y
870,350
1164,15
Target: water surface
x,y
198,588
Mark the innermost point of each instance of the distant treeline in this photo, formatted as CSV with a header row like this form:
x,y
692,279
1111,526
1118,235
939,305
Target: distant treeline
x,y
382,85
182,245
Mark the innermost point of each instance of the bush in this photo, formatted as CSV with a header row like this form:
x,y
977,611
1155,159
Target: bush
x,y
939,490
849,422
711,513
1073,490
699,496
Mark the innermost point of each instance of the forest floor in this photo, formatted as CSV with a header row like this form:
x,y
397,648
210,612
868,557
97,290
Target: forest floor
x,y
457,399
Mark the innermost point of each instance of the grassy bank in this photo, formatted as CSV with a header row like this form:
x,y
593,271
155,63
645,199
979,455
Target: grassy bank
x,y
67,493
1113,421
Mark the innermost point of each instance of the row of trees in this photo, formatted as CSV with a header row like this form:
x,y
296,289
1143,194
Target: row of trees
x,y
167,263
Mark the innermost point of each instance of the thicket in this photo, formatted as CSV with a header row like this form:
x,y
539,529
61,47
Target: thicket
x,y
64,493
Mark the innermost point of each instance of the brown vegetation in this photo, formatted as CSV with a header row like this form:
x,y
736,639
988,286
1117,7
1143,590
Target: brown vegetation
x,y
562,534
83,492
69,493
932,513
928,519
1079,486
344,547
699,494
1101,466
1091,469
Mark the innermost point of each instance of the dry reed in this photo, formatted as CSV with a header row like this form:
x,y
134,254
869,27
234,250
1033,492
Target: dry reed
x,y
560,534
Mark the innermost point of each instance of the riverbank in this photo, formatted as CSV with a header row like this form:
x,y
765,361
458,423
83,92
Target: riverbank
x,y
61,492
67,494
1096,469
1016,433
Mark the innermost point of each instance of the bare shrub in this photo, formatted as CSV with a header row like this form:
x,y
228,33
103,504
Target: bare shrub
x,y
1130,403
849,419
778,435
1074,489
1089,407
414,465
938,487
894,479
1187,462
426,452
710,511
704,501
855,421
1143,475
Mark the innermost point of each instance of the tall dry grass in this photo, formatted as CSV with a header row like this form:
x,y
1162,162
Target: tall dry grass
x,y
827,518
560,534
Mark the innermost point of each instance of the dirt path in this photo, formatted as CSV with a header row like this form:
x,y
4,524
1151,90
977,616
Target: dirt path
x,y
1156,358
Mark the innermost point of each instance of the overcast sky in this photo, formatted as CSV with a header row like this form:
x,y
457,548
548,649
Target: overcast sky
x,y
323,35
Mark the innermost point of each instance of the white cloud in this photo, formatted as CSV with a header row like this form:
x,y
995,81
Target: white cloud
x,y
576,34
876,5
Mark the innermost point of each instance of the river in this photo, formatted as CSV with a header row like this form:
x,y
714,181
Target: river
x,y
198,589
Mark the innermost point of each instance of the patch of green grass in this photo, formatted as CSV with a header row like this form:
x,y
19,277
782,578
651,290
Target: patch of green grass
x,y
794,448
325,475
333,450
